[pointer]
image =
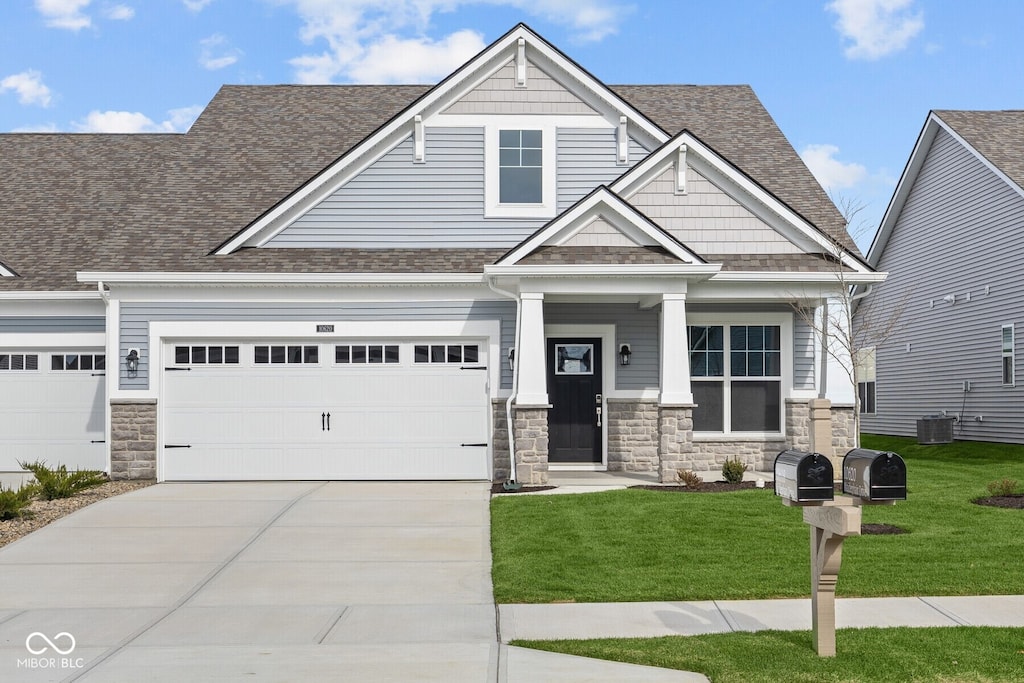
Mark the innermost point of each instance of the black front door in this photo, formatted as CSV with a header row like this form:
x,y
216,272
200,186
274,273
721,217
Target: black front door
x,y
574,389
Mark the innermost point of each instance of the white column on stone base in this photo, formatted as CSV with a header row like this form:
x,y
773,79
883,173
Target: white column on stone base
x,y
533,380
675,352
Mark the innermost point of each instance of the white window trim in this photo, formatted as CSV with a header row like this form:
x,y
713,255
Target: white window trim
x,y
1011,354
785,323
493,208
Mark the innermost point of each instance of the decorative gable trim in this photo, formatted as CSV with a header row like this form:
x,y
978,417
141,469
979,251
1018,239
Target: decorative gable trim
x,y
604,205
522,42
685,149
933,124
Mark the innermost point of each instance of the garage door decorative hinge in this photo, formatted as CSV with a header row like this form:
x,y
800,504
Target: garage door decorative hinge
x,y
177,445
178,369
98,441
473,367
476,445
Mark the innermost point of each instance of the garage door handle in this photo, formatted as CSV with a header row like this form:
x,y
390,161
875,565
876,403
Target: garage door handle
x,y
99,441
325,422
178,369
479,445
473,367
177,445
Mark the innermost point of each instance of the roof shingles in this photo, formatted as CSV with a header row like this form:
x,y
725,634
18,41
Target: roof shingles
x,y
74,202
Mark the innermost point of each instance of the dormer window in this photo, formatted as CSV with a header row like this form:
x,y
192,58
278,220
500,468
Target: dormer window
x,y
519,174
521,166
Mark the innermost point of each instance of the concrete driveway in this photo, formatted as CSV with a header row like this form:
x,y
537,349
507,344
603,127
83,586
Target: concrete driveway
x,y
263,581
275,581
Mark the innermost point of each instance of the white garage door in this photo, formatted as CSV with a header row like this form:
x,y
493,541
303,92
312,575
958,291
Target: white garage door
x,y
52,408
388,410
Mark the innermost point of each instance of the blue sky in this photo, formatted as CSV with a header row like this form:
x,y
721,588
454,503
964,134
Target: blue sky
x,y
849,82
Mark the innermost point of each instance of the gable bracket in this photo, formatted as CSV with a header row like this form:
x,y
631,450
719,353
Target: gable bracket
x,y
623,141
419,145
681,170
521,63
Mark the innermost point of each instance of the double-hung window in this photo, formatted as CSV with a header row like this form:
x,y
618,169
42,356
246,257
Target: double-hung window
x,y
519,169
1009,378
736,373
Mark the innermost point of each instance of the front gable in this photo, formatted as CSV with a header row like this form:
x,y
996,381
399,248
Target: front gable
x,y
429,160
702,200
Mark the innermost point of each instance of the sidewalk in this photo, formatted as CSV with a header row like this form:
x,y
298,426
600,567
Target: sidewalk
x,y
654,619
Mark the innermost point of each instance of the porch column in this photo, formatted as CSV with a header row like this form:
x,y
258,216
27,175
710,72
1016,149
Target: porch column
x,y
532,389
675,352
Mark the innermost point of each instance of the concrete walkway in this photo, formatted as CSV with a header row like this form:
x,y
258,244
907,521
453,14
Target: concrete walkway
x,y
275,581
655,619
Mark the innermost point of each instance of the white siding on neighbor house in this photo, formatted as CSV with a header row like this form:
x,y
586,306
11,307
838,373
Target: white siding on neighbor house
x,y
499,95
706,219
959,233
32,325
135,319
396,203
634,326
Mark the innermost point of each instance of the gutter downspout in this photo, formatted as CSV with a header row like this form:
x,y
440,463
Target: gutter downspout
x,y
515,380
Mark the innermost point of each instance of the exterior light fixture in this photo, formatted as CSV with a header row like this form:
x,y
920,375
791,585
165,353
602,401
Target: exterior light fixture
x,y
511,359
624,353
131,361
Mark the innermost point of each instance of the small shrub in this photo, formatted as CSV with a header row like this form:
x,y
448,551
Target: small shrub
x,y
14,503
60,483
690,479
732,471
1003,487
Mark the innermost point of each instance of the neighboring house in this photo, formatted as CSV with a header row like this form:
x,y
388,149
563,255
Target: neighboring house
x,y
332,282
952,239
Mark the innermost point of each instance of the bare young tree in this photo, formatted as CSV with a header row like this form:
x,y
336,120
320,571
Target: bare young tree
x,y
849,325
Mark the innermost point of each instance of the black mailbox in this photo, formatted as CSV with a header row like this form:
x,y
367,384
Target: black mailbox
x,y
874,475
803,477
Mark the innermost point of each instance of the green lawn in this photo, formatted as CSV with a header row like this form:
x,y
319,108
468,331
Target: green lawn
x,y
637,545
893,655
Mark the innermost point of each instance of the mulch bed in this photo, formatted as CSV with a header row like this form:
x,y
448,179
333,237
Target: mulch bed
x,y
706,487
500,488
881,529
1014,502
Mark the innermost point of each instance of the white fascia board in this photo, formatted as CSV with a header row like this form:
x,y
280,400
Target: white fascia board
x,y
402,125
614,270
902,192
53,340
579,216
800,278
49,296
708,163
273,279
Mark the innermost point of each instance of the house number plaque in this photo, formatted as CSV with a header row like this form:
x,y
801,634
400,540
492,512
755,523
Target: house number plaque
x,y
325,328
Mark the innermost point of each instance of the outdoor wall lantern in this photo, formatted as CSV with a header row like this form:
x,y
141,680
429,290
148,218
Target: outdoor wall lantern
x,y
131,361
512,359
624,353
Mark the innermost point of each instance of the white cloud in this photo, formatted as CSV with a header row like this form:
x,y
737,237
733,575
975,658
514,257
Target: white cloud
x,y
29,86
398,60
120,12
876,27
362,36
136,122
830,172
196,5
216,53
66,14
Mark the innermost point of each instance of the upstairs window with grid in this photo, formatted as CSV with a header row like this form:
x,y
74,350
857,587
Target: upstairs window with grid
x,y
520,167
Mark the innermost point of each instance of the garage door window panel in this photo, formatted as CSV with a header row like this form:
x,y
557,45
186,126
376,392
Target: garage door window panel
x,y
363,354
206,355
446,353
74,361
16,362
286,355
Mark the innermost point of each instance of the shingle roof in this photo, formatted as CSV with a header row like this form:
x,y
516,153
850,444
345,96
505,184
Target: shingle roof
x,y
997,135
84,202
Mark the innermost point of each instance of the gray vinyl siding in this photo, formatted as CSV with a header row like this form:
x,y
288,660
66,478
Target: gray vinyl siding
x,y
803,352
634,326
135,319
958,233
396,203
64,324
586,159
